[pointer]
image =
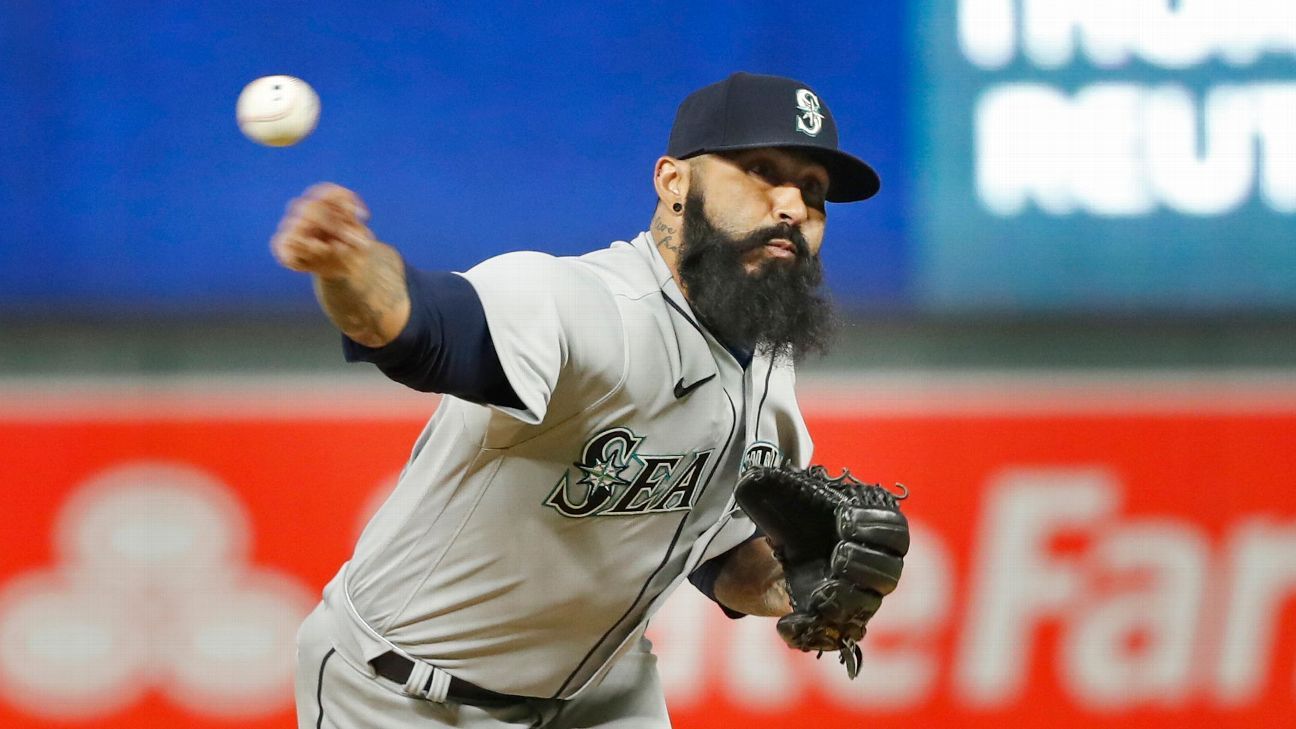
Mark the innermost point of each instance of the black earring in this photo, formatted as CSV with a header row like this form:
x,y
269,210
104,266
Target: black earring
x,y
677,207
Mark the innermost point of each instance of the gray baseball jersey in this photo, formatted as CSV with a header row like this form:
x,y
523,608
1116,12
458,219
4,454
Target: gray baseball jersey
x,y
525,549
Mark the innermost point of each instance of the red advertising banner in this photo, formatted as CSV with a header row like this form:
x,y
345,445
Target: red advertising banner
x,y
1093,553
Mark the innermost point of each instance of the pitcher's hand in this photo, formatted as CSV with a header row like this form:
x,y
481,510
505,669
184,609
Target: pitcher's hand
x,y
324,233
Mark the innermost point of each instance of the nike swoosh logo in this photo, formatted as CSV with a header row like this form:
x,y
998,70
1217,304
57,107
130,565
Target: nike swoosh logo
x,y
681,390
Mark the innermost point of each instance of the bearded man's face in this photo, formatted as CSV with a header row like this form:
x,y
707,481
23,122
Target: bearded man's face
x,y
768,303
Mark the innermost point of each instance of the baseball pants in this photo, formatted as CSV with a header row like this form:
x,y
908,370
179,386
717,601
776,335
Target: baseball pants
x,y
333,694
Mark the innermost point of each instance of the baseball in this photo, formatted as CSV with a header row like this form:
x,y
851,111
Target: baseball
x,y
277,111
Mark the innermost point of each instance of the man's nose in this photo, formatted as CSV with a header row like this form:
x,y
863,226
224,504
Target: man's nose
x,y
789,205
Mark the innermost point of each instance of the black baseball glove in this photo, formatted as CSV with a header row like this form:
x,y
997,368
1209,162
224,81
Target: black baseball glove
x,y
842,545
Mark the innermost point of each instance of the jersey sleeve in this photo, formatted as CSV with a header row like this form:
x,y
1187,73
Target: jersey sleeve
x,y
550,319
445,346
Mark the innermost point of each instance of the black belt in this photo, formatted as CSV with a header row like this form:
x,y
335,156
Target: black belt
x,y
395,667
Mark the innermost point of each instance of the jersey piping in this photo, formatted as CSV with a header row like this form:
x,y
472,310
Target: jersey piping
x,y
761,407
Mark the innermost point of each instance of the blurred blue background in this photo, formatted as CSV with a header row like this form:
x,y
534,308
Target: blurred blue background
x,y
470,129
476,128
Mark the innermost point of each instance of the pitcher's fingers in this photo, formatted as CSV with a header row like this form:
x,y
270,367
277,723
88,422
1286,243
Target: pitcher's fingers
x,y
333,223
303,200
355,238
299,251
327,220
307,253
312,197
321,190
296,226
333,194
284,250
292,219
279,244
341,198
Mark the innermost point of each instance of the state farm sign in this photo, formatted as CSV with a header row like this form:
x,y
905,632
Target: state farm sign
x,y
1150,612
1132,565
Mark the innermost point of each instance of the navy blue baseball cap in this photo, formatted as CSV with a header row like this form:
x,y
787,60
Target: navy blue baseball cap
x,y
747,111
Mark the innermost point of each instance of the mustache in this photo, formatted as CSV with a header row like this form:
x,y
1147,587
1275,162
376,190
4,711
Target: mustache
x,y
786,231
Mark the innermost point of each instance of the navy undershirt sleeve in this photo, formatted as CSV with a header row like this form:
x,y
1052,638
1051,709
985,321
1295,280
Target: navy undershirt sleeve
x,y
704,577
445,347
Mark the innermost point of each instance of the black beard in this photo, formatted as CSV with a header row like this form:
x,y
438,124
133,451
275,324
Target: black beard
x,y
779,308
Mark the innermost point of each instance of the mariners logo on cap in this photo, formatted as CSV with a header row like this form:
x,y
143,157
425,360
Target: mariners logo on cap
x,y
810,120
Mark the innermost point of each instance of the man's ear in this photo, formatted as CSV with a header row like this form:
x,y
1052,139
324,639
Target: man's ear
x,y
671,180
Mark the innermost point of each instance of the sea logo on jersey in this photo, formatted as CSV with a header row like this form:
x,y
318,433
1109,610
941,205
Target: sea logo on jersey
x,y
614,479
810,120
761,454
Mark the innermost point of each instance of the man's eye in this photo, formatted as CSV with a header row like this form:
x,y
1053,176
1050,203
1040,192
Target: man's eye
x,y
760,169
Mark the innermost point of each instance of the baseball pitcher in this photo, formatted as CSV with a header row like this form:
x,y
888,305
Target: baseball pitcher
x,y
598,415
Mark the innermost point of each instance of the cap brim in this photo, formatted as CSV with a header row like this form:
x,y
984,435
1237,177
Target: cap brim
x,y
850,179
